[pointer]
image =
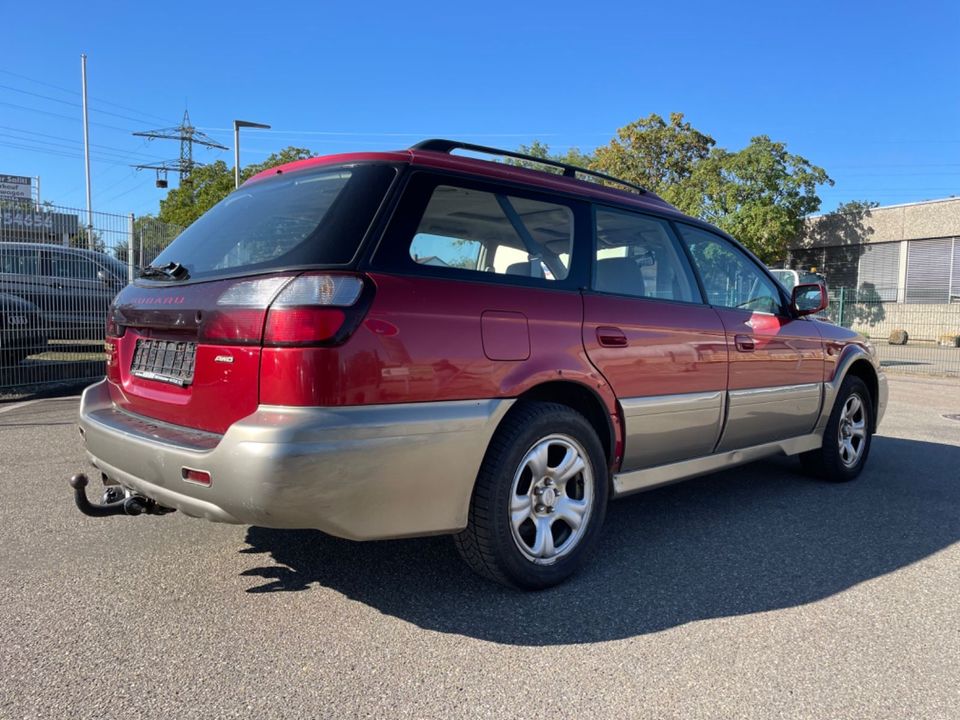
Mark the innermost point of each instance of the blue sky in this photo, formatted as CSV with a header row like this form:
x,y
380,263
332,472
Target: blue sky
x,y
870,91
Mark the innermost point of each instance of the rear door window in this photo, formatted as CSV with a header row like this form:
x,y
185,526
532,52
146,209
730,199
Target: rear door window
x,y
302,218
72,267
445,227
638,255
18,260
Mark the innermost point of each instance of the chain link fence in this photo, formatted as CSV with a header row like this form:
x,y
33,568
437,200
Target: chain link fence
x,y
58,275
913,333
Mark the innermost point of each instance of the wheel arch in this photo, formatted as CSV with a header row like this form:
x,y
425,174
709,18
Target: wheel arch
x,y
586,401
863,369
855,361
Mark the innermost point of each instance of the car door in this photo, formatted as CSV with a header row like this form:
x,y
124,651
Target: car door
x,y
775,383
20,272
77,297
660,347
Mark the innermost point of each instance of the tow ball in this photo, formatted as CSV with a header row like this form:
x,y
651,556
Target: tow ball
x,y
124,505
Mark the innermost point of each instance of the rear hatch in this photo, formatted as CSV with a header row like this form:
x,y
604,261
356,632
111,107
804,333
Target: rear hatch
x,y
267,266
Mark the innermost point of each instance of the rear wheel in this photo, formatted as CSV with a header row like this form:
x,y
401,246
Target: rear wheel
x,y
539,500
847,437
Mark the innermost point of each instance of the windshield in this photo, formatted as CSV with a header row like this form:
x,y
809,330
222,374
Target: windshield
x,y
115,266
306,218
787,278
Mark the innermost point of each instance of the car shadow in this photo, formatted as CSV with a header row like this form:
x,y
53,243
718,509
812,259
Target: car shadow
x,y
748,540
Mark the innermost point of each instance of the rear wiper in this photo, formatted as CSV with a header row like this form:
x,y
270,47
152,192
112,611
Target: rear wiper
x,y
170,271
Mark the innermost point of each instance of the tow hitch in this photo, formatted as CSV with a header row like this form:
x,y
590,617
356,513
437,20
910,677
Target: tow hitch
x,y
117,502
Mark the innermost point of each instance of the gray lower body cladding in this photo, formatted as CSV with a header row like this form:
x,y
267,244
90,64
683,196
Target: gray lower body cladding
x,y
358,472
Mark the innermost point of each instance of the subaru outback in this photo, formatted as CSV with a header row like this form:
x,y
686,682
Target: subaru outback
x,y
395,344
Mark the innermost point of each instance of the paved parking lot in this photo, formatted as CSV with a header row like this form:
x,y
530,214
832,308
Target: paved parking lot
x,y
754,593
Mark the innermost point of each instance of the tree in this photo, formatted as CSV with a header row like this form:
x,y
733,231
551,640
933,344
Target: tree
x,y
150,238
87,240
573,156
760,194
212,183
656,154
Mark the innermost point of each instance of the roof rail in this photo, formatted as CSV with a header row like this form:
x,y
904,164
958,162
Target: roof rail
x,y
447,146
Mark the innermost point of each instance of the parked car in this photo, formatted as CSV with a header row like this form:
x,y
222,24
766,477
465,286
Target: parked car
x,y
392,344
790,278
72,287
22,331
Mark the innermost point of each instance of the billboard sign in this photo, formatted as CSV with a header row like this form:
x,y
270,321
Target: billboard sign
x,y
16,187
25,224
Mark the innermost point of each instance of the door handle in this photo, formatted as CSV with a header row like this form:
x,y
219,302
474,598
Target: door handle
x,y
745,343
611,337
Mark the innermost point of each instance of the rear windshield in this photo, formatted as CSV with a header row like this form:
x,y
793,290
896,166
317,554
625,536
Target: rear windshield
x,y
315,218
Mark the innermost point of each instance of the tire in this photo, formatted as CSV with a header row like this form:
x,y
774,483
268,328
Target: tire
x,y
547,543
835,460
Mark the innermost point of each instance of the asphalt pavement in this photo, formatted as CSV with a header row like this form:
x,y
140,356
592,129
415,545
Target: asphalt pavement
x,y
752,593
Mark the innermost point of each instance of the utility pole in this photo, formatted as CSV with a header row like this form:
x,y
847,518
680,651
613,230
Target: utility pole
x,y
86,149
237,124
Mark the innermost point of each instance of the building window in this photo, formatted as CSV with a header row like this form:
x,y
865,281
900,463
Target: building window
x,y
929,266
879,272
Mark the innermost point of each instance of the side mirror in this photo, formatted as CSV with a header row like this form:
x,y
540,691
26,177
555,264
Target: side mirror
x,y
810,298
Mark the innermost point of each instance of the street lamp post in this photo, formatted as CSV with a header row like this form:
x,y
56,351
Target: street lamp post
x,y
237,124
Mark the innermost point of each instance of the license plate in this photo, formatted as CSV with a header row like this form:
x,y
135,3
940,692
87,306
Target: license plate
x,y
164,361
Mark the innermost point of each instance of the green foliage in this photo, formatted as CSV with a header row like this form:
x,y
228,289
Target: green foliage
x,y
573,156
760,194
150,238
212,183
656,154
85,241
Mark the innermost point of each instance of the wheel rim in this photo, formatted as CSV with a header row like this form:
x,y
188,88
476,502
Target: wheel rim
x,y
551,499
852,433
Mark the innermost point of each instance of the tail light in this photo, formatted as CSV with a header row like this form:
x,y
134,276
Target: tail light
x,y
280,311
310,317
316,310
237,318
113,332
114,329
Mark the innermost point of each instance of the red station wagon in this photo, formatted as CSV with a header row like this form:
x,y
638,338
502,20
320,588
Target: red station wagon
x,y
392,344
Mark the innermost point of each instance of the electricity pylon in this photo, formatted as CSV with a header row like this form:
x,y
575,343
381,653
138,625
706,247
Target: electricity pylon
x,y
187,134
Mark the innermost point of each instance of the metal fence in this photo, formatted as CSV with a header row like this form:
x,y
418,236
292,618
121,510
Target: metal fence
x,y
912,333
58,275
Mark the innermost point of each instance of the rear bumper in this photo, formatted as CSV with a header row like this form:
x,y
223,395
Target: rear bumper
x,y
363,473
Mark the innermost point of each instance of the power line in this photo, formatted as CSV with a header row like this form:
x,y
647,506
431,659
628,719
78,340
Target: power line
x,y
58,115
62,153
72,143
77,93
73,104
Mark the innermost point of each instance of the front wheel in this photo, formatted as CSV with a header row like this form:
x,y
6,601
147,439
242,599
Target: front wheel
x,y
847,437
540,498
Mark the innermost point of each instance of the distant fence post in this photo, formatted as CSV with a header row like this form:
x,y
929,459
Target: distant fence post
x,y
130,249
843,292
